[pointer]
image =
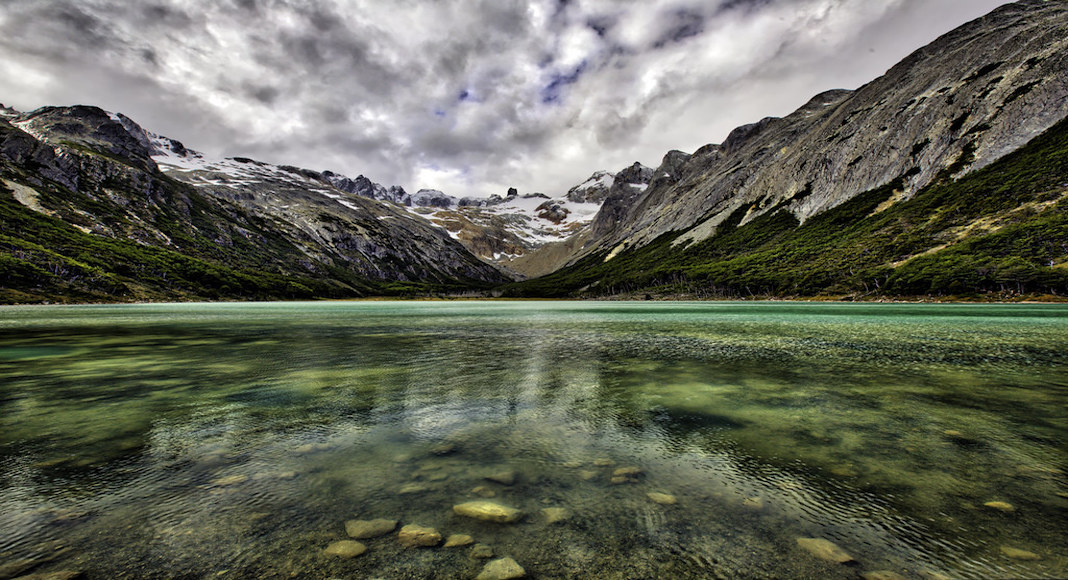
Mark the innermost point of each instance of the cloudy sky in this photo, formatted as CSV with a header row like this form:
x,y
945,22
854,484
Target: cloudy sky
x,y
467,96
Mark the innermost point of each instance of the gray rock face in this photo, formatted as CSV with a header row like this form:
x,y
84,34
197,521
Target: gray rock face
x,y
972,96
297,217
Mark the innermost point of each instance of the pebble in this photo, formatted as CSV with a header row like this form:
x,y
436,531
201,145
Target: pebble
x,y
311,448
483,491
457,540
488,511
229,480
412,536
444,449
587,474
503,569
481,551
825,550
1018,554
412,488
506,477
59,575
345,549
364,529
753,503
626,475
844,471
662,498
1000,505
882,575
555,514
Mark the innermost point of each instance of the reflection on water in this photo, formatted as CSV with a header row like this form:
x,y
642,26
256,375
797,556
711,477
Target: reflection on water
x,y
639,440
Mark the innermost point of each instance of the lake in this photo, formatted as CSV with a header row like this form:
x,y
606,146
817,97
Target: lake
x,y
638,440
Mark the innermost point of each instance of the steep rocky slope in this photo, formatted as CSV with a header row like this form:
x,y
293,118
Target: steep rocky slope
x,y
854,190
87,212
509,230
952,107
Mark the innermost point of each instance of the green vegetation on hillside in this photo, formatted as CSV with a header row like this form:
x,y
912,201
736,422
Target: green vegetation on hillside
x,y
212,251
1003,230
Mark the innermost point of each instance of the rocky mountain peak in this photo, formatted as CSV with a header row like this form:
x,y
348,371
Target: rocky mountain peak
x,y
92,128
957,105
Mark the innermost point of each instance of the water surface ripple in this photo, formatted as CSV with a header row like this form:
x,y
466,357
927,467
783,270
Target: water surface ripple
x,y
235,440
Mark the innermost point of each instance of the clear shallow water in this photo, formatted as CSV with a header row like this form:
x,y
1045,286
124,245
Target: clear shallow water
x,y
234,440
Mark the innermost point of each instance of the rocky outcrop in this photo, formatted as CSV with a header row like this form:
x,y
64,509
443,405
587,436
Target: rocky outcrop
x,y
952,107
107,176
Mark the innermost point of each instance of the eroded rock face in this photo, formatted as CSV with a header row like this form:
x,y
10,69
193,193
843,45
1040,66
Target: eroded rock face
x,y
104,175
954,106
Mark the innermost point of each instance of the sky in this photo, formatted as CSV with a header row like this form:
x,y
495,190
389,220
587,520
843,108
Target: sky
x,y
467,96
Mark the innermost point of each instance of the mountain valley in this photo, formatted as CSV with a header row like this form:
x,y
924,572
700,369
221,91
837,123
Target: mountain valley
x,y
946,177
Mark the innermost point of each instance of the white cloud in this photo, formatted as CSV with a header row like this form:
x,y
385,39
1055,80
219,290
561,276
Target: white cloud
x,y
467,96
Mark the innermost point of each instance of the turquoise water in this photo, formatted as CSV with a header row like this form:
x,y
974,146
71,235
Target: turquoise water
x,y
235,440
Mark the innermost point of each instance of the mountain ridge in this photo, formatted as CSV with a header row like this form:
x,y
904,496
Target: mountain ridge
x,y
963,101
280,231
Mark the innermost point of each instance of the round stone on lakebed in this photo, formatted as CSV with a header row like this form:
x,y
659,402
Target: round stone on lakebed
x,y
345,549
415,536
363,529
488,511
825,550
503,569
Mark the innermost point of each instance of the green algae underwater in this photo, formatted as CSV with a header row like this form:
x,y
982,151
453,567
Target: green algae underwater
x,y
637,440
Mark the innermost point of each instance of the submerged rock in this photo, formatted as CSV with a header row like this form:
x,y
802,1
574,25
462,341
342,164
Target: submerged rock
x,y
603,462
311,448
627,475
488,511
444,449
753,503
363,529
229,480
844,471
825,550
882,575
506,477
503,569
555,514
481,552
58,575
412,536
1018,554
662,498
483,491
412,488
345,549
587,474
1001,506
457,540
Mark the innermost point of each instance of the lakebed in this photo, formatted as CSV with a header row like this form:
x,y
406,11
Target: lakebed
x,y
632,440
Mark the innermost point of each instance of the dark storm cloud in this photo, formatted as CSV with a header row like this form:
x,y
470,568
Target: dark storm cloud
x,y
466,95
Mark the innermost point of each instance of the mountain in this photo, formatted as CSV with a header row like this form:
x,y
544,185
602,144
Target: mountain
x,y
741,217
506,230
94,207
